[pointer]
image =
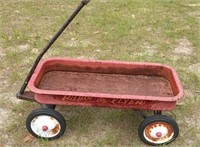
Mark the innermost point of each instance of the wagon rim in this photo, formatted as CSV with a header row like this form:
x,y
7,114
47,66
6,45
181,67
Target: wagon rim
x,y
158,132
45,126
46,123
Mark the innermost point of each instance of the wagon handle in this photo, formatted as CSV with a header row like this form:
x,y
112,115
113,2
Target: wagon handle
x,y
50,43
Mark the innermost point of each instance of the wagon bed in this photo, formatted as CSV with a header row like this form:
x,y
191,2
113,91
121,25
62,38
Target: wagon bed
x,y
106,83
117,84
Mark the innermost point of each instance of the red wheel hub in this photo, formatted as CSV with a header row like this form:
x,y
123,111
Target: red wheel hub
x,y
159,134
44,128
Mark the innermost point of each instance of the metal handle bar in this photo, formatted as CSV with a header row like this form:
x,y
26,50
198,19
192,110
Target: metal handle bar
x,y
50,43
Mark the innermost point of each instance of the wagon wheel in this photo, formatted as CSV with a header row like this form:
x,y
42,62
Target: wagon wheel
x,y
46,124
158,130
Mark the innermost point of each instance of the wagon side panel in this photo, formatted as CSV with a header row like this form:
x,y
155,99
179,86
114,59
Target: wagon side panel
x,y
105,102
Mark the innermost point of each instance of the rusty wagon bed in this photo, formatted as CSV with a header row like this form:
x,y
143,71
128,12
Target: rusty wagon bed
x,y
105,83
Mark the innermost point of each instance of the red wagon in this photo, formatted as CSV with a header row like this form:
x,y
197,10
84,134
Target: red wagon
x,y
116,84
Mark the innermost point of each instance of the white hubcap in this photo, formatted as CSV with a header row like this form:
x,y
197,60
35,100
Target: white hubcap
x,y
158,132
45,126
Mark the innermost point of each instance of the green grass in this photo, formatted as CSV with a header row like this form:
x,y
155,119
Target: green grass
x,y
131,30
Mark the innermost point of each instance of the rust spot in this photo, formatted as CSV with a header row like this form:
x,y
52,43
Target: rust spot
x,y
35,119
56,129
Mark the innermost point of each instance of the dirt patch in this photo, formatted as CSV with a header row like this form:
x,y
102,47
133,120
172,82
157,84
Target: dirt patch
x,y
2,53
74,42
184,47
196,14
4,113
4,123
195,68
150,49
194,5
24,47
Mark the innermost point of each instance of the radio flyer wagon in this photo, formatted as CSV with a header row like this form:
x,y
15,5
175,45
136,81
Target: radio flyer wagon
x,y
94,83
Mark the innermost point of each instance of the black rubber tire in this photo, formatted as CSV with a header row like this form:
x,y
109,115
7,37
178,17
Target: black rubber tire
x,y
157,118
48,112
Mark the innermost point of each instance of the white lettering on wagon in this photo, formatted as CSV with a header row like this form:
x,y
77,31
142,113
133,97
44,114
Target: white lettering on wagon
x,y
127,102
105,101
74,98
